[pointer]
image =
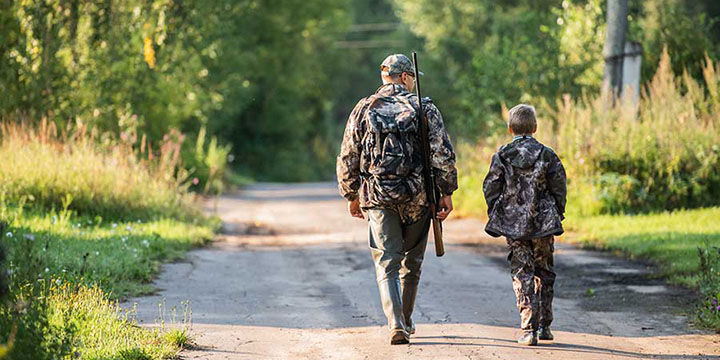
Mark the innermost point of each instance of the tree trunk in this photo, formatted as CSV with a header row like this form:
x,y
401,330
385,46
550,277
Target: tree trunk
x,y
617,24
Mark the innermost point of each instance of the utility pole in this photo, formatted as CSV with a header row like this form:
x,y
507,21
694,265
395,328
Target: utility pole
x,y
614,49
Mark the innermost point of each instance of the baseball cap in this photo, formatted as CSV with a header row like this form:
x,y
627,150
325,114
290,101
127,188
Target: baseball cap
x,y
397,64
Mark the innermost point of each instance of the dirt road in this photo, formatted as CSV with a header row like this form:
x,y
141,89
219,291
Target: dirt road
x,y
293,279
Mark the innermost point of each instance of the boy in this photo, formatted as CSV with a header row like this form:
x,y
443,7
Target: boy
x,y
525,190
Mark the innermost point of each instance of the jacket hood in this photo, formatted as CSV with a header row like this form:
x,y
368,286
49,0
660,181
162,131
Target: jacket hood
x,y
522,153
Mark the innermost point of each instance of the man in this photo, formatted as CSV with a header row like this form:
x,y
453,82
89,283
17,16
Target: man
x,y
379,171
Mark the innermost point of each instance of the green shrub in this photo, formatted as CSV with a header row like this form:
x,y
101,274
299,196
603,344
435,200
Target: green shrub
x,y
206,164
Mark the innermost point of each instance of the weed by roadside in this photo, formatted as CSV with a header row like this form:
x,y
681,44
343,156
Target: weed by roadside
x,y
708,314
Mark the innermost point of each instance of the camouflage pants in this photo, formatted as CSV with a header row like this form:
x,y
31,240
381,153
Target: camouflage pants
x,y
531,265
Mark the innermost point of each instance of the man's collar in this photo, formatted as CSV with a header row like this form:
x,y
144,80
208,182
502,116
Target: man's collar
x,y
396,88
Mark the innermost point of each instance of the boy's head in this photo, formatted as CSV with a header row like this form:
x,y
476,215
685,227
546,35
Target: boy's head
x,y
522,120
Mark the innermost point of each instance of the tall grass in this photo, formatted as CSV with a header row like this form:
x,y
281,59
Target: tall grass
x,y
660,154
91,173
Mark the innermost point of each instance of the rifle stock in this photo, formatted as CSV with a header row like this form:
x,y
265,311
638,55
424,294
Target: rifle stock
x,y
437,234
430,187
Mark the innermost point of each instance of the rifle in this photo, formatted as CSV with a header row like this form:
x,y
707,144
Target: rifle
x,y
430,187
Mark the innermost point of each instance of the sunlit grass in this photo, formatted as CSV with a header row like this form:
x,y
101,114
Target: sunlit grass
x,y
92,174
669,239
121,257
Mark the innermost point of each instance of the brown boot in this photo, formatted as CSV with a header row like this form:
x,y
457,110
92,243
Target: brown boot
x,y
399,337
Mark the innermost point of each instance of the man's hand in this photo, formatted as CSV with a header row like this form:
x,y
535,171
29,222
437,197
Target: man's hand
x,y
354,209
445,207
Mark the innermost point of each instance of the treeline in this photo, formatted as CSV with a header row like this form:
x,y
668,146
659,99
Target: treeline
x,y
275,80
492,52
257,74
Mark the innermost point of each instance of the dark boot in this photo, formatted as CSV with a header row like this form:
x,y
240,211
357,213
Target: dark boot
x,y
544,333
528,338
409,293
399,337
392,306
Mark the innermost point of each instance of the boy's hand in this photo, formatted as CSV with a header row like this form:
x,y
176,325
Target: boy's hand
x,y
445,207
354,209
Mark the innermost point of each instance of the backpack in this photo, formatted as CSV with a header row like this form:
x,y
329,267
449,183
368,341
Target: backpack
x,y
390,141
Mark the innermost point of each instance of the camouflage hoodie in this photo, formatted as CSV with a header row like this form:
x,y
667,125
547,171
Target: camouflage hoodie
x,y
525,190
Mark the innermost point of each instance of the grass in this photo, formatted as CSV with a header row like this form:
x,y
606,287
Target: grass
x,y
119,257
669,239
87,219
93,175
87,266
684,244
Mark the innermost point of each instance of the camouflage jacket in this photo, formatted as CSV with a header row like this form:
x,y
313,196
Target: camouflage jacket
x,y
525,190
352,163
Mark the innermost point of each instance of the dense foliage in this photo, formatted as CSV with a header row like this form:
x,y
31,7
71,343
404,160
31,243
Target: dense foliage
x,y
492,52
255,73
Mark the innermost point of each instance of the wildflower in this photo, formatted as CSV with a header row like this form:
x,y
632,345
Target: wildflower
x,y
715,302
128,228
58,282
97,253
47,269
9,234
146,243
30,237
114,225
196,181
718,308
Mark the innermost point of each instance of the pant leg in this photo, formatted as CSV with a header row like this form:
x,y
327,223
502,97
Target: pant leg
x,y
386,245
415,237
523,274
545,274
